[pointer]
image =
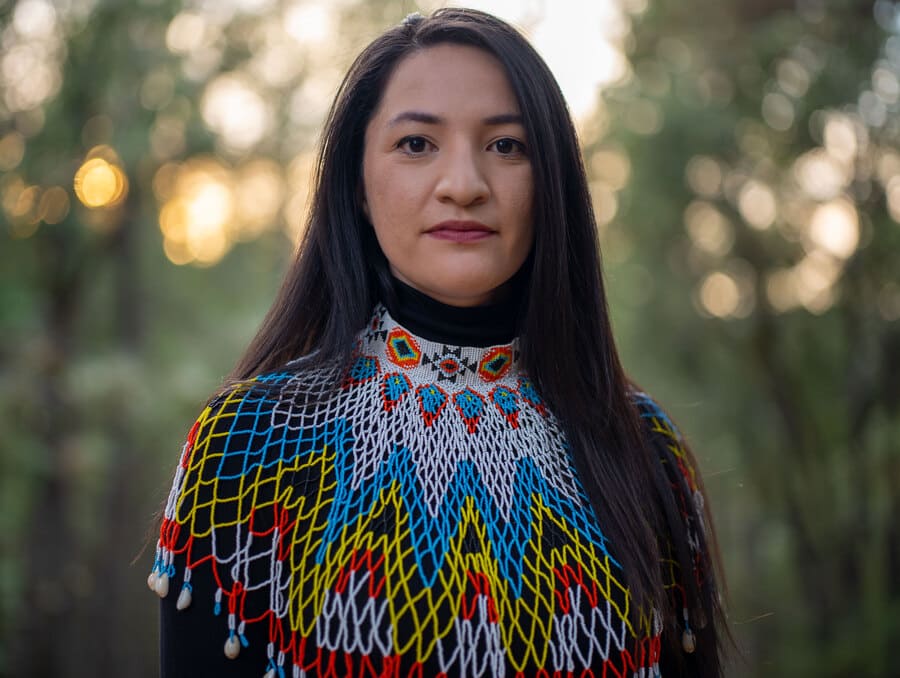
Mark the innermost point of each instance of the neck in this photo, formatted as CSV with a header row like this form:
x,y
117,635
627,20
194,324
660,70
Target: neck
x,y
487,325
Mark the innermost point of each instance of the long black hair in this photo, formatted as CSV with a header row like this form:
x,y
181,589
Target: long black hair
x,y
566,338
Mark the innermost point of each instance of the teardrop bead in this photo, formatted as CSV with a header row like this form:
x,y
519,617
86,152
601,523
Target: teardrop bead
x,y
151,580
270,674
688,641
232,647
184,599
162,585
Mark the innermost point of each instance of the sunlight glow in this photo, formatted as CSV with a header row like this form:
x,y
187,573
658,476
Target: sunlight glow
x,y
810,284
100,181
756,203
835,228
196,221
719,294
308,24
259,193
820,174
570,35
186,32
840,138
233,109
35,19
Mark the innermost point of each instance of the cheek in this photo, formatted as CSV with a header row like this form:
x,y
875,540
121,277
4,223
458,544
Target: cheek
x,y
522,200
383,191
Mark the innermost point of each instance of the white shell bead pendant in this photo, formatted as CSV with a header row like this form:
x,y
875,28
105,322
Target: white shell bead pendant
x,y
688,641
162,585
184,599
151,580
232,647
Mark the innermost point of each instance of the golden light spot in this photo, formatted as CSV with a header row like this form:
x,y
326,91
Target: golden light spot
x,y
719,295
756,203
835,228
99,183
207,242
198,218
20,204
177,252
25,202
12,150
259,192
173,220
54,205
11,186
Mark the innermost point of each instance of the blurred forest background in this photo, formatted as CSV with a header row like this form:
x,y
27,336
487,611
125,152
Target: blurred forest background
x,y
745,161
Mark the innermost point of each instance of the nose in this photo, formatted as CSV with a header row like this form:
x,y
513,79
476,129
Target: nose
x,y
462,179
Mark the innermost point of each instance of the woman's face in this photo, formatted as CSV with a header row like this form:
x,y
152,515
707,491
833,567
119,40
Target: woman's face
x,y
447,175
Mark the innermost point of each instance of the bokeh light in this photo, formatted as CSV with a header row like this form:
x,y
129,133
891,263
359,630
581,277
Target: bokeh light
x,y
835,228
704,176
233,108
100,181
757,205
719,295
709,230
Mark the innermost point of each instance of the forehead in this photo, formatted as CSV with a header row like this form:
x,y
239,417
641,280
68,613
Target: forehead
x,y
448,79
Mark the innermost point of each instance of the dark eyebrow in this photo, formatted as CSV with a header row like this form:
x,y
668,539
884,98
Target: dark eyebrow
x,y
415,116
504,119
431,119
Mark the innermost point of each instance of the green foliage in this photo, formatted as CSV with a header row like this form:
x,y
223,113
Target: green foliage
x,y
781,366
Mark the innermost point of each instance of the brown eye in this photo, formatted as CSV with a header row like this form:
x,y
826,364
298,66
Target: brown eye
x,y
507,146
414,145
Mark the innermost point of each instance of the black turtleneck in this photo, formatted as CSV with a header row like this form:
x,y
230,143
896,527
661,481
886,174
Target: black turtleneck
x,y
480,326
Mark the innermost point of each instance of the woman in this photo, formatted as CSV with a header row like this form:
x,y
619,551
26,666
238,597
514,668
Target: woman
x,y
430,461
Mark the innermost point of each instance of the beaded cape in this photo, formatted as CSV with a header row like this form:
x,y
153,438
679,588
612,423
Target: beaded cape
x,y
422,518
